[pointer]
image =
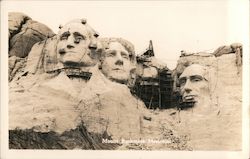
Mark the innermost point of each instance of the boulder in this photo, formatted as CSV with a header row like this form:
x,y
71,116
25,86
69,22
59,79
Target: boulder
x,y
24,33
16,20
223,50
31,33
234,46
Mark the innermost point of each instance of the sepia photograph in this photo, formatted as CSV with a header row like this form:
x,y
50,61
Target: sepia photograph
x,y
125,79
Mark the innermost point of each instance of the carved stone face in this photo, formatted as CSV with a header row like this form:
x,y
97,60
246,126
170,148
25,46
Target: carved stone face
x,y
73,45
194,85
116,64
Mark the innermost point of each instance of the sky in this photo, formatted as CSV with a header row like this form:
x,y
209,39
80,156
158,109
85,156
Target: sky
x,y
190,25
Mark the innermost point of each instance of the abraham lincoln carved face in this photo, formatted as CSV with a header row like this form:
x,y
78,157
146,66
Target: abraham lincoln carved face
x,y
194,86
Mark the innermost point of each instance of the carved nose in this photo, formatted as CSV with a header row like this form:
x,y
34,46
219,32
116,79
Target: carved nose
x,y
119,62
69,46
70,42
187,90
62,51
93,45
187,86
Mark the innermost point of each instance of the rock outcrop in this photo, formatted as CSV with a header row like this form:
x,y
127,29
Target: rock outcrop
x,y
48,109
16,20
16,66
23,34
227,49
48,116
222,120
77,138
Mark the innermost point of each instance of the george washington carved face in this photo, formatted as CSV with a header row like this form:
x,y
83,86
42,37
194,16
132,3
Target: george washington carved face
x,y
73,44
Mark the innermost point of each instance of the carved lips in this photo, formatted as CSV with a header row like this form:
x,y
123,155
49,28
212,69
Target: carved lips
x,y
189,98
118,69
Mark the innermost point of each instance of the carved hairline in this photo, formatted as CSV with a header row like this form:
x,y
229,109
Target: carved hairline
x,y
204,68
83,21
126,44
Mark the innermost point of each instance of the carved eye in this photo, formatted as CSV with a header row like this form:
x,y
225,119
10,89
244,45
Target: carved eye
x,y
111,54
196,78
64,37
124,55
78,37
182,81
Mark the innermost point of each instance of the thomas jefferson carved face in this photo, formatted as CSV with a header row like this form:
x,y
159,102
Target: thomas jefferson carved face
x,y
74,40
117,61
194,85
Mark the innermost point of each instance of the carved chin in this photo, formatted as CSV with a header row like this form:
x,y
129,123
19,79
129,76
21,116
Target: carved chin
x,y
190,99
72,64
119,77
187,105
189,102
77,62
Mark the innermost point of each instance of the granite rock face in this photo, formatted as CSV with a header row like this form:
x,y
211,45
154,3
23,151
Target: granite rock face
x,y
47,108
223,116
16,65
77,138
50,110
28,33
16,20
23,34
227,49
